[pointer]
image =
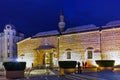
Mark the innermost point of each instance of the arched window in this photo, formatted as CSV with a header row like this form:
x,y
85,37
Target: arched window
x,y
68,53
89,52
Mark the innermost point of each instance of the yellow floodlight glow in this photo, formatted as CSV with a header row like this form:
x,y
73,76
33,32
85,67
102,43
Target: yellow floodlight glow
x,y
113,55
28,62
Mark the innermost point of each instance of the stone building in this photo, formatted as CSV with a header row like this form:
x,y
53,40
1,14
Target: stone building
x,y
8,39
85,43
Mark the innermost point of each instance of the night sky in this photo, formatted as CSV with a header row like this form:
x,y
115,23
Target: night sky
x,y
33,16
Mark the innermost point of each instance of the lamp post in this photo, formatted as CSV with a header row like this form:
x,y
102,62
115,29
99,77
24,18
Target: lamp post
x,y
58,46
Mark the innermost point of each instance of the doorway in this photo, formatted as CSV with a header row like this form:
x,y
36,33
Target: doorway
x,y
48,59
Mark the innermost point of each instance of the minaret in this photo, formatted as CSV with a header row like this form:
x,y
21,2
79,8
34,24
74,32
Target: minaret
x,y
61,23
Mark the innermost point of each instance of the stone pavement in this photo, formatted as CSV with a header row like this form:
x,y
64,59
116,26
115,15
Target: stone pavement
x,y
41,74
105,75
101,75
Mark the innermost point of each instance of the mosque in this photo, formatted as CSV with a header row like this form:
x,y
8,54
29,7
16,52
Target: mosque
x,y
85,43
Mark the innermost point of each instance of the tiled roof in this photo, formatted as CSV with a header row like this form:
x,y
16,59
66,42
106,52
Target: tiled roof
x,y
112,24
81,28
77,29
116,22
47,33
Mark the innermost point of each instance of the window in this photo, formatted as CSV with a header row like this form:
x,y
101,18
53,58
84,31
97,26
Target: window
x,y
8,40
68,55
89,54
8,54
8,47
8,44
8,33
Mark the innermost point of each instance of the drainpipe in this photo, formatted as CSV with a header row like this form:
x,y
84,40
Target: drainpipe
x,y
100,32
58,46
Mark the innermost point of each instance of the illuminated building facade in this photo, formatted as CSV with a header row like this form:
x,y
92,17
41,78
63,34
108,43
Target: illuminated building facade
x,y
83,43
8,40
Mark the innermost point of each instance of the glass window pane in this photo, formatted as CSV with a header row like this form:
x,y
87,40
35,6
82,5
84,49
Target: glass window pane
x,y
89,54
68,55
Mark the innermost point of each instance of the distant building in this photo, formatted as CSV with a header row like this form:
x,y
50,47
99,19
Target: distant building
x,y
85,43
8,40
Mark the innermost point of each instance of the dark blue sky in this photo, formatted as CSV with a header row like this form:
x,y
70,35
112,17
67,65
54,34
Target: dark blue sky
x,y
33,16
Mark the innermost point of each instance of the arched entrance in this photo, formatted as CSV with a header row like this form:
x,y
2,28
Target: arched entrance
x,y
45,55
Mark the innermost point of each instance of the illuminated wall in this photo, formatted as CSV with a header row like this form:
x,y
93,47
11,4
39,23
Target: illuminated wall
x,y
105,46
78,43
108,48
111,44
27,52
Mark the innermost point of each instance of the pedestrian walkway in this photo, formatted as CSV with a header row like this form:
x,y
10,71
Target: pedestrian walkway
x,y
82,77
41,74
102,75
107,75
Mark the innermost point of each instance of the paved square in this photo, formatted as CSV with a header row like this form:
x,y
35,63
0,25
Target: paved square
x,y
54,75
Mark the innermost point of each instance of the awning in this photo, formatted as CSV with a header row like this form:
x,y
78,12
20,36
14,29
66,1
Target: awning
x,y
45,47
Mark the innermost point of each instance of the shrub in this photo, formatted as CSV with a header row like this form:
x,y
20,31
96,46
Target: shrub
x,y
14,66
105,63
67,64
